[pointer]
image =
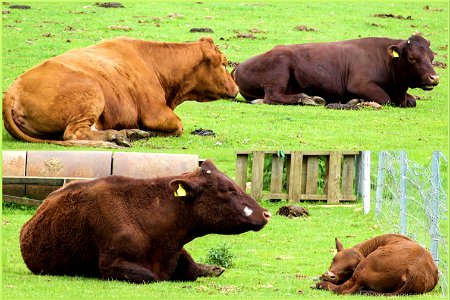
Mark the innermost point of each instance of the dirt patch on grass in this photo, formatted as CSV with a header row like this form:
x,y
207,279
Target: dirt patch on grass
x,y
203,29
400,17
305,28
109,4
20,7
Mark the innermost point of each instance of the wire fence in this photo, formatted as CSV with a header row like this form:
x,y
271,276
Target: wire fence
x,y
411,199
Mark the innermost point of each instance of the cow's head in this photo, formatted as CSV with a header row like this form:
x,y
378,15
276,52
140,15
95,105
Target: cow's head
x,y
414,62
212,79
343,265
217,204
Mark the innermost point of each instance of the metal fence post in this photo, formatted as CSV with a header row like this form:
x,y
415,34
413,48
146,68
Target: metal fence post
x,y
365,157
434,214
402,196
380,184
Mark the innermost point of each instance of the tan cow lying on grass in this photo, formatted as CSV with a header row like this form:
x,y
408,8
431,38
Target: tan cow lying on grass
x,y
389,264
114,92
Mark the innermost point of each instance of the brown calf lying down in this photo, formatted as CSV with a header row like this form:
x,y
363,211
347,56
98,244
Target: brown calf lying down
x,y
131,229
95,96
390,264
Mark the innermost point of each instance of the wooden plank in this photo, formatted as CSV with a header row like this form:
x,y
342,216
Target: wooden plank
x,y
295,176
347,197
276,180
20,200
265,152
288,171
334,174
277,196
303,180
312,170
241,170
321,197
257,174
348,175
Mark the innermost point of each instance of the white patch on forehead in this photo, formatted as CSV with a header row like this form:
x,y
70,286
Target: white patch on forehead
x,y
208,172
248,211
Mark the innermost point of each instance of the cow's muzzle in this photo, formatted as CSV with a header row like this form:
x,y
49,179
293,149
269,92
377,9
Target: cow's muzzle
x,y
329,276
267,215
433,80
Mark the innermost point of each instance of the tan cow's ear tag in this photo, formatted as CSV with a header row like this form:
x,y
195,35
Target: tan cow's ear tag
x,y
395,54
180,192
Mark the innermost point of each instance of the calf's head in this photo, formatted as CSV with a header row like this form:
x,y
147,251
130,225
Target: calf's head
x,y
343,265
414,62
217,204
212,79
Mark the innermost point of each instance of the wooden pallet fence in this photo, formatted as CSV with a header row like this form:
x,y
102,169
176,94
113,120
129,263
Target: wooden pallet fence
x,y
296,175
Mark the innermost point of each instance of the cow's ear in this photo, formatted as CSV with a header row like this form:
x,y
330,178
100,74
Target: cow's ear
x,y
207,39
339,246
185,188
208,166
210,51
394,51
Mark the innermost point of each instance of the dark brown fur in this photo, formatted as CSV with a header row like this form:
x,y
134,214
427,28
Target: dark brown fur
x,y
96,95
389,264
364,68
135,229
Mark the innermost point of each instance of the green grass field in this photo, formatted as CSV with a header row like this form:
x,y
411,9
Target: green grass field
x,y
281,260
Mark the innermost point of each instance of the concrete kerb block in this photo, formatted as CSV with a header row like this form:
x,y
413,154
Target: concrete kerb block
x,y
153,165
14,164
83,164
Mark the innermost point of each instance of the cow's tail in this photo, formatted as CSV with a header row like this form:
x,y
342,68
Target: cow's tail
x,y
16,132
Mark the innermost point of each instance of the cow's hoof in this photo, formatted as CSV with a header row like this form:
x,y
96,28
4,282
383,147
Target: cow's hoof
x,y
210,270
137,134
309,101
257,101
120,140
354,101
319,100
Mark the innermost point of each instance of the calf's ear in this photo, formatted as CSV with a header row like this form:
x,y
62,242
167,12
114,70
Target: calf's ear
x,y
185,188
339,246
394,51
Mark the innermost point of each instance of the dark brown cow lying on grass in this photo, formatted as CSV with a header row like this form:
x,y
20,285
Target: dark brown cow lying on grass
x,y
135,229
100,93
390,264
373,69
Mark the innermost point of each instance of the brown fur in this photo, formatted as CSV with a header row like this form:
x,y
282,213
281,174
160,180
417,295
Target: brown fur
x,y
119,84
135,229
389,264
367,68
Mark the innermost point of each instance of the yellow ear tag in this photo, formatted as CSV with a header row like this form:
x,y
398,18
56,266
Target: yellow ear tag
x,y
181,192
395,54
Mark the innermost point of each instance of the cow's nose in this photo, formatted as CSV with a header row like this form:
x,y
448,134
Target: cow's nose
x,y
434,79
267,215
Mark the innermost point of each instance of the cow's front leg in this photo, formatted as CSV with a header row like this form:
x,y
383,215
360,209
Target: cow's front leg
x,y
161,121
348,287
369,92
410,101
121,269
186,269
